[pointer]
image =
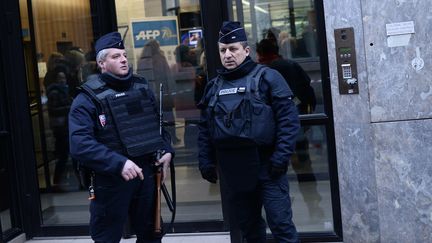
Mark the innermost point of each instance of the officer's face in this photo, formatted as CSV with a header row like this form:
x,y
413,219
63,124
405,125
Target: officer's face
x,y
232,54
115,62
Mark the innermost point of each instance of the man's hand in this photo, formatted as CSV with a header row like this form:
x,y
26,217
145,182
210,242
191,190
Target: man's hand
x,y
276,171
131,170
165,161
209,174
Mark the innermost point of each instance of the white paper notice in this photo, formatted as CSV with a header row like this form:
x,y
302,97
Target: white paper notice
x,y
400,28
398,40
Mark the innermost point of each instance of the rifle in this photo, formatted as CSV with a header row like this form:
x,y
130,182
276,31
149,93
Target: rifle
x,y
160,186
157,223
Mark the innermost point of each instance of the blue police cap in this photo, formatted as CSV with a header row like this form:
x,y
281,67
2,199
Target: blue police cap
x,y
231,32
110,40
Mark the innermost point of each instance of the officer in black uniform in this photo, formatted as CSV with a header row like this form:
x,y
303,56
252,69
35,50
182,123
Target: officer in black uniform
x,y
114,132
248,128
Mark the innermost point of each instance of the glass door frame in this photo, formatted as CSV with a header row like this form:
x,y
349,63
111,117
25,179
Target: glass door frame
x,y
16,126
323,119
104,20
29,209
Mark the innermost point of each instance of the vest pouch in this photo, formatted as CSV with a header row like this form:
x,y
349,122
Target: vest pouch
x,y
263,123
229,124
136,122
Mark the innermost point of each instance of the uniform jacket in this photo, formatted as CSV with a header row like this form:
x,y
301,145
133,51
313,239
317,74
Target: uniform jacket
x,y
276,92
83,119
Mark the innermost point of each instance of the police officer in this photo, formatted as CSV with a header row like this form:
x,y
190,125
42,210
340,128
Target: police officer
x,y
248,128
114,132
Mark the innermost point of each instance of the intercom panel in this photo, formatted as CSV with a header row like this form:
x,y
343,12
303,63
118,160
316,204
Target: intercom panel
x,y
346,61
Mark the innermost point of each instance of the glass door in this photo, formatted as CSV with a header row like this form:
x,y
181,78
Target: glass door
x,y
57,39
287,36
164,40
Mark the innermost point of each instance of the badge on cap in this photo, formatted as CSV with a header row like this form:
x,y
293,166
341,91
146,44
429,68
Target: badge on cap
x,y
102,120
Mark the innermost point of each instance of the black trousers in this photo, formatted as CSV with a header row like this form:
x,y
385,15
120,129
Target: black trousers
x,y
116,199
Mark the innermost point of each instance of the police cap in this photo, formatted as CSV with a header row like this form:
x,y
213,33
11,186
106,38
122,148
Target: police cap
x,y
231,32
110,40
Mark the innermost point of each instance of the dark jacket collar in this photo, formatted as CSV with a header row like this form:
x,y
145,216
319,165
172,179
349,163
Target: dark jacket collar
x,y
116,82
239,71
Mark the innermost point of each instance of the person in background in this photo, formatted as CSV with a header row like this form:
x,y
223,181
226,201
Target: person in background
x,y
248,127
59,103
184,76
293,73
75,59
114,132
90,66
55,60
304,97
159,73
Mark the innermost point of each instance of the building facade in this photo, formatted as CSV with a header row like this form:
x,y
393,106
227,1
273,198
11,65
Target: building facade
x,y
362,164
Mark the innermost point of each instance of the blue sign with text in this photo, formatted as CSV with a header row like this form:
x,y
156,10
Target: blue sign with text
x,y
164,31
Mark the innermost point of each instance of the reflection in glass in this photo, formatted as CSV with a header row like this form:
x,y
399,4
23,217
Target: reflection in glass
x,y
182,70
5,202
282,35
64,58
5,183
297,79
291,26
153,65
309,180
5,219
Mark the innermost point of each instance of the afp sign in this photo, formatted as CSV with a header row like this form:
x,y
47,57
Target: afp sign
x,y
162,30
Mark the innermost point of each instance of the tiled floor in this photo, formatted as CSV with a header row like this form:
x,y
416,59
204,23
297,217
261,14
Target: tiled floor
x,y
177,238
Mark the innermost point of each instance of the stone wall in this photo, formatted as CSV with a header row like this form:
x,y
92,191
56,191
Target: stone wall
x,y
384,134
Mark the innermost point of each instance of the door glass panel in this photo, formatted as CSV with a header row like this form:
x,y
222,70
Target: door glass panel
x,y
291,25
5,184
57,60
5,202
287,29
310,182
164,40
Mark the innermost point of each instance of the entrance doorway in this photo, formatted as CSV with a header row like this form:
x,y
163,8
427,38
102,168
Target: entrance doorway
x,y
58,36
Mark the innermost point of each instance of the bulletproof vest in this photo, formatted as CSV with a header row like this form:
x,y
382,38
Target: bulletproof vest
x,y
238,114
127,121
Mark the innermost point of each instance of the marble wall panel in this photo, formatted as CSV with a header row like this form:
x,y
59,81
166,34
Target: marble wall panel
x,y
397,90
357,183
353,133
403,155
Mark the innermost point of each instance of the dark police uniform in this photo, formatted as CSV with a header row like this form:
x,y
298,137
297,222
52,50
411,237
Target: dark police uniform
x,y
101,140
253,170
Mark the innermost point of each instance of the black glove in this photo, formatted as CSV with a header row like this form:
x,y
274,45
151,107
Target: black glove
x,y
209,174
276,171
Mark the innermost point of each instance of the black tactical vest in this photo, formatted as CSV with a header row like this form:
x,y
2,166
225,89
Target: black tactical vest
x,y
127,121
238,114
